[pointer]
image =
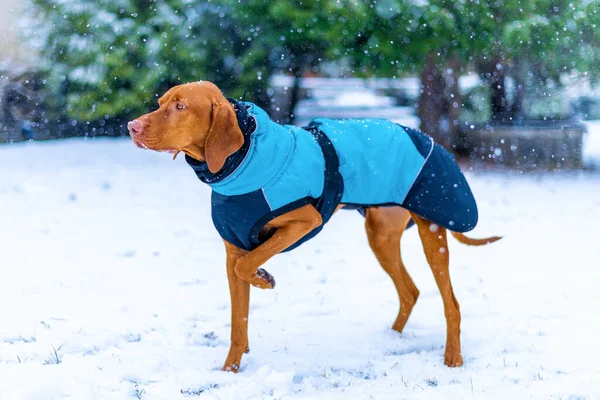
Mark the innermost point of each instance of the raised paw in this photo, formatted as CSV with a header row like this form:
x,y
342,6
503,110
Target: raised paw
x,y
262,279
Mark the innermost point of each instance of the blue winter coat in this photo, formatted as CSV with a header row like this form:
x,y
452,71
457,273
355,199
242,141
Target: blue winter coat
x,y
355,162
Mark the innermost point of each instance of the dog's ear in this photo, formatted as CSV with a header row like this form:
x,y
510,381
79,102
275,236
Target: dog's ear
x,y
224,136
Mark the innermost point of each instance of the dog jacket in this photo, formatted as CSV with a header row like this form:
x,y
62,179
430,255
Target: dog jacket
x,y
354,162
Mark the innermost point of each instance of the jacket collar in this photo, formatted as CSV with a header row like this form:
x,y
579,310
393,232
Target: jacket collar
x,y
247,124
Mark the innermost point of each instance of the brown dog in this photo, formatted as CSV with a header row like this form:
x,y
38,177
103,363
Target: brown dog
x,y
198,120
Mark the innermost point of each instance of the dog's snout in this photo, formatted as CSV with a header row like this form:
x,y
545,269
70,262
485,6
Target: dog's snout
x,y
135,127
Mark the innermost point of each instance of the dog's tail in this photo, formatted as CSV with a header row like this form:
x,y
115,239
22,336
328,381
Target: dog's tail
x,y
474,242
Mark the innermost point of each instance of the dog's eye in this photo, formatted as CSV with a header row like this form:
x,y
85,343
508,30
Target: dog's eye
x,y
179,106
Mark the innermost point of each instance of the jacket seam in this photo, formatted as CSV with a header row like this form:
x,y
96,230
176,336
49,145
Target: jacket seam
x,y
266,198
420,169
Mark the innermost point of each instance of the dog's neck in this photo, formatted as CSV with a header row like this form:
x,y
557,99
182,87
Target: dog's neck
x,y
247,125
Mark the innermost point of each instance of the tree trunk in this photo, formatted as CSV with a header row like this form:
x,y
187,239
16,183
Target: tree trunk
x,y
516,108
431,101
295,94
498,92
454,102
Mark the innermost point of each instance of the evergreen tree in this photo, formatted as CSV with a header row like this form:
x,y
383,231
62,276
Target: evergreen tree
x,y
111,58
292,38
532,42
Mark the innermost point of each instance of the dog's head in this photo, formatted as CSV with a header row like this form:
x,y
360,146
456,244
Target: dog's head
x,y
194,118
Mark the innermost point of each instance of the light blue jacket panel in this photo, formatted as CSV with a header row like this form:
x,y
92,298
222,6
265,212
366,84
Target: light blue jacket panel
x,y
378,160
284,161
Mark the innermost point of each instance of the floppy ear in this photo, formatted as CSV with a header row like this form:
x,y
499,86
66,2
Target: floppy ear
x,y
224,136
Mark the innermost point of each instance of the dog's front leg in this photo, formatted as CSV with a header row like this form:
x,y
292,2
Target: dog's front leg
x,y
239,291
290,227
242,267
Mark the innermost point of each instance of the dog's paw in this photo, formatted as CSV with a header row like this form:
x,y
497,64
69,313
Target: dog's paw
x,y
453,360
235,368
234,358
262,279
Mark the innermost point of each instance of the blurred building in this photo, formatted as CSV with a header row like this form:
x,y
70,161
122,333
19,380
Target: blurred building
x,y
10,45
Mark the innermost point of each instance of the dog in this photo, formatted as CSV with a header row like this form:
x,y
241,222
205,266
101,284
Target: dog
x,y
275,186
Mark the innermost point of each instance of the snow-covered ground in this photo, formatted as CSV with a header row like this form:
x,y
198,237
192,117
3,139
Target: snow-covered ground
x,y
113,286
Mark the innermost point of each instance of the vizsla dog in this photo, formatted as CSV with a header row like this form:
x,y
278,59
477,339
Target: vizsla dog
x,y
275,186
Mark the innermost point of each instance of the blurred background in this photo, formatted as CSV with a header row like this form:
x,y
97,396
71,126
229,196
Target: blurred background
x,y
497,82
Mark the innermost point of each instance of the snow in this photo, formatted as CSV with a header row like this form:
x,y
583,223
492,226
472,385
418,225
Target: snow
x,y
109,256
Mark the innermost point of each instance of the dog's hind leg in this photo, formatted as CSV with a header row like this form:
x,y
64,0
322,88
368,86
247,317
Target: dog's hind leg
x,y
385,226
436,251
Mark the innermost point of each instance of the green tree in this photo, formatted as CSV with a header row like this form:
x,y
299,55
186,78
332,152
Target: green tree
x,y
113,57
393,38
532,42
288,37
535,43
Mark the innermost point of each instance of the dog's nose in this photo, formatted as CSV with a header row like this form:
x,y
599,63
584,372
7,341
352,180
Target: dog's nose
x,y
135,127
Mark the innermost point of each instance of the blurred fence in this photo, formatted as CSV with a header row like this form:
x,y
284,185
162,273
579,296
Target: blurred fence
x,y
528,145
